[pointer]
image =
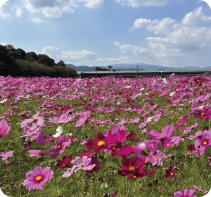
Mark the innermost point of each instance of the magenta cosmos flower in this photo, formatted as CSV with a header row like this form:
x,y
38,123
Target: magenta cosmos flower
x,y
37,178
186,193
4,128
164,137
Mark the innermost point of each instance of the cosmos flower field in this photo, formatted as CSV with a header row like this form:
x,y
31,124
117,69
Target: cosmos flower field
x,y
105,136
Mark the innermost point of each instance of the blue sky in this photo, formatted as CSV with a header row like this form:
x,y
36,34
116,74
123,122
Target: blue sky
x,y
173,33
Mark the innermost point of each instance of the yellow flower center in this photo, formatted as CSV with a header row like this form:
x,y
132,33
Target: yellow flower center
x,y
198,80
131,169
32,132
38,178
101,143
171,174
134,177
202,114
60,121
168,144
59,147
158,116
205,143
113,148
81,165
156,159
181,123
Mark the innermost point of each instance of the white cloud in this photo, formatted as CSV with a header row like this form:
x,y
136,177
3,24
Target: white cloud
x,y
121,59
4,16
78,55
36,20
55,8
196,17
92,3
138,3
173,39
50,8
137,50
18,12
164,26
69,56
4,44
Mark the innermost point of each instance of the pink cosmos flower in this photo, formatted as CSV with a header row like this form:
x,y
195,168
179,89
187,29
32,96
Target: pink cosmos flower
x,y
40,121
181,123
69,172
37,178
82,119
83,163
4,128
164,137
38,153
144,150
203,142
61,145
5,156
156,159
186,193
62,119
32,132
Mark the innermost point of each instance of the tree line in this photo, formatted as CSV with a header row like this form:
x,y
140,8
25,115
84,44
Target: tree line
x,y
17,62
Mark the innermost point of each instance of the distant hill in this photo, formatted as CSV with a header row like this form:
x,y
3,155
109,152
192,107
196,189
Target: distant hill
x,y
133,67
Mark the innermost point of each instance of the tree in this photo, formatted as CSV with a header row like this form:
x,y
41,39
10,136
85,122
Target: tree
x,y
61,63
31,56
44,59
9,47
3,54
21,52
109,67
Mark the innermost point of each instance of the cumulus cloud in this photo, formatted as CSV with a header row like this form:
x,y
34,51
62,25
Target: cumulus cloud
x,y
55,8
137,50
138,3
69,56
121,59
172,39
4,16
92,3
18,12
36,20
78,55
196,17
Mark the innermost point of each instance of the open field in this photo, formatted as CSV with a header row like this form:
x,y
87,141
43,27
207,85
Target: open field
x,y
105,136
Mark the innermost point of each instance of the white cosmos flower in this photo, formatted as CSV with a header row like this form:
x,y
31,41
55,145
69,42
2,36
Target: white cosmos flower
x,y
164,80
171,94
200,107
149,119
142,89
3,101
59,131
104,185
